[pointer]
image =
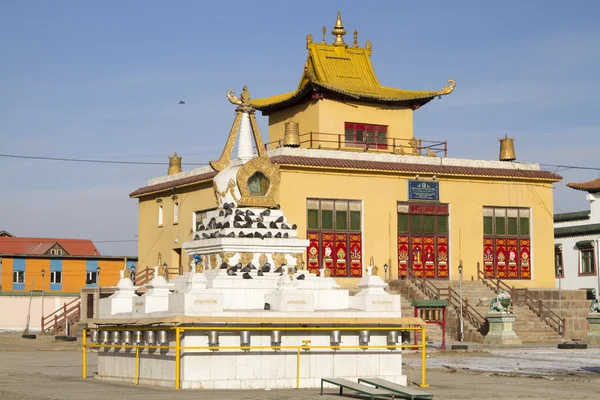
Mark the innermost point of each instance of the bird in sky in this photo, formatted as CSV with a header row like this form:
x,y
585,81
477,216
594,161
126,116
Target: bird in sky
x,y
181,102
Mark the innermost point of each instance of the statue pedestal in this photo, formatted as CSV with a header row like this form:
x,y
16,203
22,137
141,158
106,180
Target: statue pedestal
x,y
593,336
501,329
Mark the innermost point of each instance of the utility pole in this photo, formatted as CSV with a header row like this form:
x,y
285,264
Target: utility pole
x,y
460,273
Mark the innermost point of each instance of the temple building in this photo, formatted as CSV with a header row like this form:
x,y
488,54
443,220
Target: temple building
x,y
364,190
577,235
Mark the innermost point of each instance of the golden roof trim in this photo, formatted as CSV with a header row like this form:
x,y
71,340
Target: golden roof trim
x,y
346,71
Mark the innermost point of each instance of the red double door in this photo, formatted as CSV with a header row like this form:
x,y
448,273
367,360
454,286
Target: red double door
x,y
423,240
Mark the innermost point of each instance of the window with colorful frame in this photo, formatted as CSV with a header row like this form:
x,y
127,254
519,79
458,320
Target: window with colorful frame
x,y
360,135
18,277
507,242
55,277
334,229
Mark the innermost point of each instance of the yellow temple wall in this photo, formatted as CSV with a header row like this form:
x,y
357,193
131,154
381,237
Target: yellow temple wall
x,y
305,114
379,193
466,197
167,239
327,118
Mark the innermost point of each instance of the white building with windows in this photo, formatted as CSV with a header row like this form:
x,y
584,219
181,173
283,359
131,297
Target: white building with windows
x,y
576,240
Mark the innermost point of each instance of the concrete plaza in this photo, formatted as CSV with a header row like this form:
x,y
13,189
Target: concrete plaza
x,y
45,370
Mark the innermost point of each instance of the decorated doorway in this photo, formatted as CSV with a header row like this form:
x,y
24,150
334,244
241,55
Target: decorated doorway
x,y
423,239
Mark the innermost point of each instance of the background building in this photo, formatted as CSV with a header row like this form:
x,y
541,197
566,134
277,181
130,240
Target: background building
x,y
577,235
68,265
363,189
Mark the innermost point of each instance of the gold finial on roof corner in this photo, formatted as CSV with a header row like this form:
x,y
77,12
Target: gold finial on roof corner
x,y
368,44
309,39
355,38
324,30
338,31
448,88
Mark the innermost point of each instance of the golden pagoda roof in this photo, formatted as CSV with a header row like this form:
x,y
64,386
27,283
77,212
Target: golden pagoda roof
x,y
346,71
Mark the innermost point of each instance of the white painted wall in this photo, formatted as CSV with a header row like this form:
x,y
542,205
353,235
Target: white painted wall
x,y
571,254
571,265
13,311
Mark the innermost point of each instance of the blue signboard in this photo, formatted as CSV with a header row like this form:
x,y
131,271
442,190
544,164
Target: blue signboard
x,y
419,190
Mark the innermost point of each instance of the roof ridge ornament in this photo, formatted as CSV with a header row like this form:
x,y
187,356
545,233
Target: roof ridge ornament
x,y
355,38
338,31
324,30
448,88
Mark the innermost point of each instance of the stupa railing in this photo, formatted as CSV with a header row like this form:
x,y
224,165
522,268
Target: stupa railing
x,y
339,141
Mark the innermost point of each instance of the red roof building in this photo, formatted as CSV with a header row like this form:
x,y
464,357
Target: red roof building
x,y
47,246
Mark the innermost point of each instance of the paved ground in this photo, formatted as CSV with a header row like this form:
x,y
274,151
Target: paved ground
x,y
44,370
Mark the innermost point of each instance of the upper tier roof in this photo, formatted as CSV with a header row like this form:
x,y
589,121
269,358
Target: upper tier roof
x,y
590,187
347,72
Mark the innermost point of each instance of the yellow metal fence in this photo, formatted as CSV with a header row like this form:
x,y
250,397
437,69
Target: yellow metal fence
x,y
179,330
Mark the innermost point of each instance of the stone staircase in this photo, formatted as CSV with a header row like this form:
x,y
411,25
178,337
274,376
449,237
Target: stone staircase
x,y
573,305
528,326
409,292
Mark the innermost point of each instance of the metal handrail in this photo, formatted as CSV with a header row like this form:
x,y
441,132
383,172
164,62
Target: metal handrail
x,y
524,296
433,292
391,145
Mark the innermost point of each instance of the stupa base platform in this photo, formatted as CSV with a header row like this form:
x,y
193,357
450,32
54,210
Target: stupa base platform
x,y
289,353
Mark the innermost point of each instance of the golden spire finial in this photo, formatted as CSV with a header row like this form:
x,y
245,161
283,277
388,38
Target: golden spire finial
x,y
324,30
174,164
338,31
355,38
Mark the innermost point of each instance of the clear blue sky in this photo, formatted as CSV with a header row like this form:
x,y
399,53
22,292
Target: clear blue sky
x,y
102,80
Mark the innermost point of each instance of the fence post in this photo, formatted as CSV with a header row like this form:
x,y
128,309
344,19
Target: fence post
x,y
311,140
563,327
55,324
466,308
541,311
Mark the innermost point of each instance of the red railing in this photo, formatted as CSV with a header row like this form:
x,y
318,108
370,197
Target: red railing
x,y
69,314
337,141
433,292
525,297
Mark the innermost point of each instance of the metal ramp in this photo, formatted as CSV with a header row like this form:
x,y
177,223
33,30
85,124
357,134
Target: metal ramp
x,y
357,388
404,392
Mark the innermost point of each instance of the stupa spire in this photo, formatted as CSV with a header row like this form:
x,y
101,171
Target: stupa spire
x,y
338,31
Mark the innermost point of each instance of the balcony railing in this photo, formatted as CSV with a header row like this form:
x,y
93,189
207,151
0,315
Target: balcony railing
x,y
339,141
